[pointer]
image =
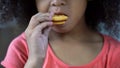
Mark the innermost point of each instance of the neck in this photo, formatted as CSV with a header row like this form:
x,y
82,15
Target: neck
x,y
80,32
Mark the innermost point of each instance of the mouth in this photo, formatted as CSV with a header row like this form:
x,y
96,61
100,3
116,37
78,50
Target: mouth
x,y
59,18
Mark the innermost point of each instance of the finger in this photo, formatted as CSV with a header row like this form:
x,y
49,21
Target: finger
x,y
39,18
40,28
51,15
47,31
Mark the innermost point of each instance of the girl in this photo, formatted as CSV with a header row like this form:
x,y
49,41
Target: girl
x,y
74,44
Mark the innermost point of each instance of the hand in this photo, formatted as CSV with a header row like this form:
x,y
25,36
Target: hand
x,y
37,34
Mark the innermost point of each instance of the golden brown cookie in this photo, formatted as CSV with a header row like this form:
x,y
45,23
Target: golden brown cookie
x,y
59,19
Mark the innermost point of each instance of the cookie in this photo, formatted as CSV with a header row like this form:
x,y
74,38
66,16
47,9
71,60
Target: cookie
x,y
59,19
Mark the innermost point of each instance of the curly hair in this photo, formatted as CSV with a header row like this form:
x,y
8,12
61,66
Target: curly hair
x,y
20,10
106,12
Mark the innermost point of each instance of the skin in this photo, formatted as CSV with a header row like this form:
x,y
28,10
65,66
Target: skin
x,y
68,41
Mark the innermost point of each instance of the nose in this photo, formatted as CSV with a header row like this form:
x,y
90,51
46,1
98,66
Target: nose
x,y
57,3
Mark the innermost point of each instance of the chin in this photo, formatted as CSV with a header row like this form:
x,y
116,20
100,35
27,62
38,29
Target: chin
x,y
61,30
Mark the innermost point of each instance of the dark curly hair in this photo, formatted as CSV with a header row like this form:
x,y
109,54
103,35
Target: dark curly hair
x,y
19,11
104,16
100,14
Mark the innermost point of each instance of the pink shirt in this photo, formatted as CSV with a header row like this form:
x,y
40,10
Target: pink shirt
x,y
17,55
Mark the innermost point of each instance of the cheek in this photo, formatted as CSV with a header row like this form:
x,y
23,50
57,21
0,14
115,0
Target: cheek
x,y
43,6
81,7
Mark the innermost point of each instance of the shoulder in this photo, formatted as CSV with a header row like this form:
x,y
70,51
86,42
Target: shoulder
x,y
113,52
17,53
19,38
114,45
19,42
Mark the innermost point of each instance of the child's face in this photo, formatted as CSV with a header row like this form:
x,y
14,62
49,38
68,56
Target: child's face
x,y
74,9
